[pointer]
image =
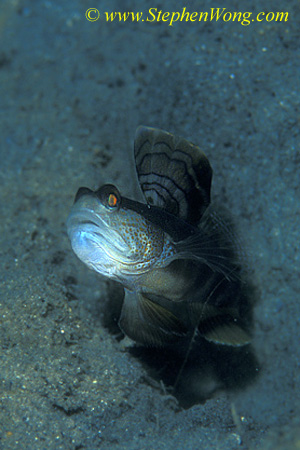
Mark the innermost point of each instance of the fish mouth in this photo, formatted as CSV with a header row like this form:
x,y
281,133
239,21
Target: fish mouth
x,y
94,241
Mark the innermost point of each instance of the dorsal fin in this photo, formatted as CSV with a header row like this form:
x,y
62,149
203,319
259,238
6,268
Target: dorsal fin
x,y
173,173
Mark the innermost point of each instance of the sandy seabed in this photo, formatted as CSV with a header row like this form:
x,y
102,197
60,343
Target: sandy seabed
x,y
72,93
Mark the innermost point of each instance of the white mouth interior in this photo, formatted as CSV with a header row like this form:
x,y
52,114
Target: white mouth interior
x,y
94,242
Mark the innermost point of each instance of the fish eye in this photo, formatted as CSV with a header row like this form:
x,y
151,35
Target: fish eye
x,y
112,200
109,196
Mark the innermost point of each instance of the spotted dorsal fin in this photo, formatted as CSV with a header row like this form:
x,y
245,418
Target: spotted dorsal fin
x,y
173,173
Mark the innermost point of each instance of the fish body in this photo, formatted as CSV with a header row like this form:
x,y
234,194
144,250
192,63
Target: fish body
x,y
174,256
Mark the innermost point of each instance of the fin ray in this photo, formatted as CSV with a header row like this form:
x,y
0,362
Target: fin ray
x,y
220,327
214,244
147,322
173,173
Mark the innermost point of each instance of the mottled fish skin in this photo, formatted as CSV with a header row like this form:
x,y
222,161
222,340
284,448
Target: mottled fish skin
x,y
174,257
116,242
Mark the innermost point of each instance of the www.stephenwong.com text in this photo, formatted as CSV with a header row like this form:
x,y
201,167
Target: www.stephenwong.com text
x,y
170,18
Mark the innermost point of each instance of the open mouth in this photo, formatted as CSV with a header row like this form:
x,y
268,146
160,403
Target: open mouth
x,y
90,233
84,225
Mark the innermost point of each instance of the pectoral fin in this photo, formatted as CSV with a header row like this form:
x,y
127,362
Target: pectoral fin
x,y
224,333
215,244
147,322
220,327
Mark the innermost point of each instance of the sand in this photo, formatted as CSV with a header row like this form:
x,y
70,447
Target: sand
x,y
72,93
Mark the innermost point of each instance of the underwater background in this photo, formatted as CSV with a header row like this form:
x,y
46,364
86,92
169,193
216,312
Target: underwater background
x,y
72,92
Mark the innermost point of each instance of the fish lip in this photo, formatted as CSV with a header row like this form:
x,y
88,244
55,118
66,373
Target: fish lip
x,y
86,221
82,218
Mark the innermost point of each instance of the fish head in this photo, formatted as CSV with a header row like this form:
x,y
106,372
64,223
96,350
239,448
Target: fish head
x,y
108,237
